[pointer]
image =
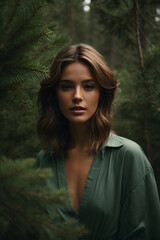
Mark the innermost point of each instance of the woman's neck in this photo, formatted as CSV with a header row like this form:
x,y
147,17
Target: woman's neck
x,y
79,133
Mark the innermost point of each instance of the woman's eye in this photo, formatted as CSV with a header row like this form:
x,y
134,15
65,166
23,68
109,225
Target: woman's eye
x,y
88,87
66,87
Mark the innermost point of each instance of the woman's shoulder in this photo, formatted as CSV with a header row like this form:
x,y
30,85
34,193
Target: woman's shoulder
x,y
131,148
115,140
129,152
123,144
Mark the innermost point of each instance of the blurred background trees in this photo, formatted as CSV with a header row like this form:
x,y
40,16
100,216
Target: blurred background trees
x,y
136,26
127,35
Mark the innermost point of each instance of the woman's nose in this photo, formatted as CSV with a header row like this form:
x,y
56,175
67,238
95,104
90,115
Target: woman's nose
x,y
77,94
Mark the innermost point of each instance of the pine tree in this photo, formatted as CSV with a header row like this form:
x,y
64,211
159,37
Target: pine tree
x,y
24,62
28,205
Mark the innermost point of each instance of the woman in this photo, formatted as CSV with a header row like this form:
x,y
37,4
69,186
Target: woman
x,y
111,183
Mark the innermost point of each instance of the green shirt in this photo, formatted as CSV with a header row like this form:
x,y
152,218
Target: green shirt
x,y
120,199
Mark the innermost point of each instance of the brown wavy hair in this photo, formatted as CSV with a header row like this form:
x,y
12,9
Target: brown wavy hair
x,y
52,126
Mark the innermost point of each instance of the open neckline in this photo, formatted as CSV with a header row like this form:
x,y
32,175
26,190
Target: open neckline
x,y
62,180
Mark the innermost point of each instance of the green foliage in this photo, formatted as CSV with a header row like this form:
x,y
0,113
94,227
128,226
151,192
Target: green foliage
x,y
21,31
112,12
152,76
28,204
26,201
26,48
118,18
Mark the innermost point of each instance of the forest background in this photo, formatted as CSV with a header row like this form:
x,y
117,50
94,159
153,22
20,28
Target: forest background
x,y
125,32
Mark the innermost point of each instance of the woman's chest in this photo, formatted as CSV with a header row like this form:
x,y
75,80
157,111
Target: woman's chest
x,y
76,171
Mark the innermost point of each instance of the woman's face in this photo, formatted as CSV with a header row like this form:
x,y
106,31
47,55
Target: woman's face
x,y
78,93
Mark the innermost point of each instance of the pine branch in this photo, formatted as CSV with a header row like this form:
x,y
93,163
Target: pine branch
x,y
24,24
8,205
15,168
112,18
28,68
36,11
19,74
28,209
147,21
16,95
32,40
35,195
23,44
58,229
36,221
12,16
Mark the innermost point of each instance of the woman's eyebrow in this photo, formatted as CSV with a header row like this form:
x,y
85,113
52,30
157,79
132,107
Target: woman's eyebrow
x,y
70,81
88,80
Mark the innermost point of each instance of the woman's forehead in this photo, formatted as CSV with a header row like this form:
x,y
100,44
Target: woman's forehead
x,y
76,69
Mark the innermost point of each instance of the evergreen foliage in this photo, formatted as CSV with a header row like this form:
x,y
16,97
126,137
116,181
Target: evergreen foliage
x,y
27,204
27,46
21,29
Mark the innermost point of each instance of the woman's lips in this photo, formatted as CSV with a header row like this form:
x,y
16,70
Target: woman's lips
x,y
78,109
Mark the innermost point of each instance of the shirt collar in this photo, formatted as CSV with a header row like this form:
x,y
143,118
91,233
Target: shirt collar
x,y
113,141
